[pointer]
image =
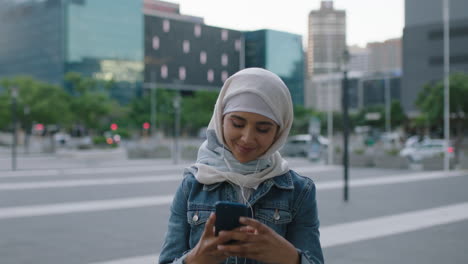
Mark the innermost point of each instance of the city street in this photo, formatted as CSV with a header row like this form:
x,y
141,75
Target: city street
x,y
92,209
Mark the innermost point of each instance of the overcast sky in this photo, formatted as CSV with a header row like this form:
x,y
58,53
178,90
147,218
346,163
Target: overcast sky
x,y
367,20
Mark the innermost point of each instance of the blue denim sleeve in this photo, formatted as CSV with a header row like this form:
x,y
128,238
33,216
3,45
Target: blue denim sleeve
x,y
303,232
175,244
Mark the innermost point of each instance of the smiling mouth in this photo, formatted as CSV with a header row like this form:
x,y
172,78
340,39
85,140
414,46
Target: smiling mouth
x,y
244,149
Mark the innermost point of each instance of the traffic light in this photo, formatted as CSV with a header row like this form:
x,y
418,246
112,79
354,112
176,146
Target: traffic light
x,y
114,126
146,125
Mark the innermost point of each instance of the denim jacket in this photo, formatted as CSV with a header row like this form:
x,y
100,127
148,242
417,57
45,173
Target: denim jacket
x,y
285,203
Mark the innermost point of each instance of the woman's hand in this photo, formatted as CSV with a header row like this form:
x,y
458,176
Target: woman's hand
x,y
258,241
206,249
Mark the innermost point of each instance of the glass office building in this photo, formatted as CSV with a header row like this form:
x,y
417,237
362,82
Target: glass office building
x,y
281,53
46,39
32,39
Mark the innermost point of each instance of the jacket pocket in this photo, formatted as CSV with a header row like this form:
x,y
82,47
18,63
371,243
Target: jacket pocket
x,y
197,215
276,216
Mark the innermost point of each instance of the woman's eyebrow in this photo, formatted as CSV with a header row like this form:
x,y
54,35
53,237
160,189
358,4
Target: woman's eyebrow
x,y
258,123
239,117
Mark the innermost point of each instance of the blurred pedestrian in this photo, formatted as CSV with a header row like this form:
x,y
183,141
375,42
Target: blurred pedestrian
x,y
240,162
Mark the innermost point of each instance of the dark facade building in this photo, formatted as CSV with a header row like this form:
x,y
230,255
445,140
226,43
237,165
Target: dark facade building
x,y
281,53
187,55
423,45
373,90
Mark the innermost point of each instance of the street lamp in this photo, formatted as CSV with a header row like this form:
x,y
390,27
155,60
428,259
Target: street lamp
x,y
176,104
446,14
14,96
345,103
153,104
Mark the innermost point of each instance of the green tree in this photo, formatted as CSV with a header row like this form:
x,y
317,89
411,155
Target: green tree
x,y
197,110
361,120
397,115
140,111
431,103
302,116
91,103
36,102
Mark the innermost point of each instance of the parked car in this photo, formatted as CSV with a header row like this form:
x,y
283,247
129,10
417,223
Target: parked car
x,y
427,148
304,145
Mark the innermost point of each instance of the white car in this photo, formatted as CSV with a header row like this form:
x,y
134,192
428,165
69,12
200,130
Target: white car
x,y
426,149
304,145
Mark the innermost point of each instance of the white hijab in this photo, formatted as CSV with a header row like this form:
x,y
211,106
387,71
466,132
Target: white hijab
x,y
215,163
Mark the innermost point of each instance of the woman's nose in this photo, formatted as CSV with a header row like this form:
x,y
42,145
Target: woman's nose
x,y
248,136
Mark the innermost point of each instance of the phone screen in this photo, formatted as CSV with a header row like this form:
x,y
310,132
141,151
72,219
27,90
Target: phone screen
x,y
227,215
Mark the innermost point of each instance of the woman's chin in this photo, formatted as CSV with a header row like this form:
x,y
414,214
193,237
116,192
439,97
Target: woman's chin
x,y
243,158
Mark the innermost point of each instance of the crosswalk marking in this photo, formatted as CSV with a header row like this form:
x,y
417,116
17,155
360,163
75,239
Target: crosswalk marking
x,y
126,169
87,182
90,171
347,233
147,259
102,205
120,180
29,173
391,179
79,207
341,234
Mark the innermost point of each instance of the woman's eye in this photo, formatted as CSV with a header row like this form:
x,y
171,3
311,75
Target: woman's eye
x,y
264,130
237,125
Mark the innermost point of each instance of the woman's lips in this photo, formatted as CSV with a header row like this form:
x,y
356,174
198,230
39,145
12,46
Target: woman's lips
x,y
244,149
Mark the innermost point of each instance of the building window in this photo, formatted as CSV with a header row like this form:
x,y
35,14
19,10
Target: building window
x,y
454,59
197,30
224,35
455,32
182,73
186,46
210,75
224,76
156,42
166,25
237,44
203,57
224,59
164,71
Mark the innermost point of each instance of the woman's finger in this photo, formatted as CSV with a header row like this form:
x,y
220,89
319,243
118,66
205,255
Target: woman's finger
x,y
209,226
245,250
253,224
247,229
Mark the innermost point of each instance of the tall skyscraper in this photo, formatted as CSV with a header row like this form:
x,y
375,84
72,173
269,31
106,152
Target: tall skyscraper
x,y
327,39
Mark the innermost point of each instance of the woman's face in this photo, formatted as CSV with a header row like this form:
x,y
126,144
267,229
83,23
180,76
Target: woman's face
x,y
248,135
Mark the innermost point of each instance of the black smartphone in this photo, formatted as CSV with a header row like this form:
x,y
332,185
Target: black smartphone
x,y
227,215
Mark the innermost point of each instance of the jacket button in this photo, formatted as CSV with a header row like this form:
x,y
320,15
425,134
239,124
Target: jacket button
x,y
276,216
195,217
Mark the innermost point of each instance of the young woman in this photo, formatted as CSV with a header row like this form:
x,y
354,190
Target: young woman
x,y
240,162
